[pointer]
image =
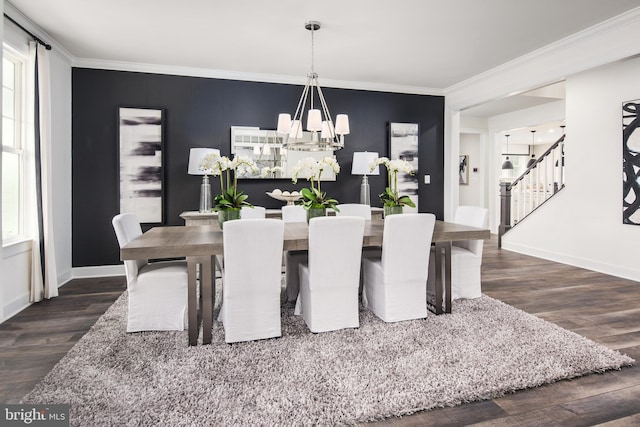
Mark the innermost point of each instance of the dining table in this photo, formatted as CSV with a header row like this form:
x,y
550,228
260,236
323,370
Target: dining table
x,y
200,244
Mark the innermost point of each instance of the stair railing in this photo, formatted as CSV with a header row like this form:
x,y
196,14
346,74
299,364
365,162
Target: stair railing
x,y
529,191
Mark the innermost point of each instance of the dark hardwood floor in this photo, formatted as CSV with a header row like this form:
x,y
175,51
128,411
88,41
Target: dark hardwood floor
x,y
603,308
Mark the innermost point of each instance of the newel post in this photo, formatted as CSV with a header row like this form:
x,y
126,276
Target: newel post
x,y
505,210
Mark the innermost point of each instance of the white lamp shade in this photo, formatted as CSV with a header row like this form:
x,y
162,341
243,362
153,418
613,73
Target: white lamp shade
x,y
284,123
327,130
362,163
256,150
296,129
266,150
342,124
195,157
314,121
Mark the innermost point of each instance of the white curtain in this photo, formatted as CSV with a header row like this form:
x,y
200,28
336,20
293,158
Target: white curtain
x,y
44,277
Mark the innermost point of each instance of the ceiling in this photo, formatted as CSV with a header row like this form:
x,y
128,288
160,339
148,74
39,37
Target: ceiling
x,y
426,44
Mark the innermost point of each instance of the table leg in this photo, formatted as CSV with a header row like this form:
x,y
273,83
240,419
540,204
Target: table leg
x,y
192,300
447,277
437,304
207,274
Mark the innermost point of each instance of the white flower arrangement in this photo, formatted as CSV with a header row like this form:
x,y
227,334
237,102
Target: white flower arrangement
x,y
267,171
230,198
390,197
311,170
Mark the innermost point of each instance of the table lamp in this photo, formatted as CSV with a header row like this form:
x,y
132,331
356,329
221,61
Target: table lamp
x,y
362,166
195,157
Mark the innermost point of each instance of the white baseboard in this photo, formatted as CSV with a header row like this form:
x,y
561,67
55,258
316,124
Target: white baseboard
x,y
98,271
22,302
15,307
613,270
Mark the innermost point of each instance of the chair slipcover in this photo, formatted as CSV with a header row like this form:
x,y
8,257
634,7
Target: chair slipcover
x,y
363,211
328,297
256,212
293,213
395,285
157,291
354,209
466,256
251,279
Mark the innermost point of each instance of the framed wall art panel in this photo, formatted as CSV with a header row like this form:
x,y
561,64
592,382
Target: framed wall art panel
x,y
141,140
403,144
463,169
631,162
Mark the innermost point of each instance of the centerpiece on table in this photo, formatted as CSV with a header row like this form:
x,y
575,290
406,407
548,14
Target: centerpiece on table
x,y
314,200
392,201
230,200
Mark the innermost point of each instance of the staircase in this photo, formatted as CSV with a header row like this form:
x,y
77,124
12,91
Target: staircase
x,y
541,181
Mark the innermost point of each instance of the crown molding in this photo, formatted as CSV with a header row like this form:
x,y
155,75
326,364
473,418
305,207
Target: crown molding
x,y
23,20
244,76
603,43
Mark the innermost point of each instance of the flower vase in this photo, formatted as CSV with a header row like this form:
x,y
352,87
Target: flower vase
x,y
392,210
227,215
314,212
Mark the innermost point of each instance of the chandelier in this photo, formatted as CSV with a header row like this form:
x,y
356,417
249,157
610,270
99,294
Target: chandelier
x,y
325,135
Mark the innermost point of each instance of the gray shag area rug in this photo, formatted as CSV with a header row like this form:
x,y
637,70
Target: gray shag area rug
x,y
482,351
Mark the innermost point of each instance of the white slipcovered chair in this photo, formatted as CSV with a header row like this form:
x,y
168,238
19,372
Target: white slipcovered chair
x,y
157,291
255,212
251,279
293,213
395,285
354,209
466,256
328,298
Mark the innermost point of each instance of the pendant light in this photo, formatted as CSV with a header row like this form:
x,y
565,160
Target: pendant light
x,y
507,163
327,135
532,160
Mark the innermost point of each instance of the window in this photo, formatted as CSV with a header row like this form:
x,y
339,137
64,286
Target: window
x,y
12,146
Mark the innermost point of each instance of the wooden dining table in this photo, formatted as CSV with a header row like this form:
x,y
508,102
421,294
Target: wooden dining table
x,y
200,244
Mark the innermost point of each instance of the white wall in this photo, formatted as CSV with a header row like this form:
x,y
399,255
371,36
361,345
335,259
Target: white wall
x,y
582,225
472,194
61,174
2,311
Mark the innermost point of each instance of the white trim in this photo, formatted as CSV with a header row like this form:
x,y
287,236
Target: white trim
x,y
23,20
97,271
16,247
16,306
245,76
589,264
64,278
603,43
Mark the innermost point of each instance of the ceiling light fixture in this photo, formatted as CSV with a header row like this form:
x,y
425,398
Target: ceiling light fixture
x,y
325,135
507,163
532,160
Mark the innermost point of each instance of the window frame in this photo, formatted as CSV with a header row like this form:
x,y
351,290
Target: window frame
x,y
18,145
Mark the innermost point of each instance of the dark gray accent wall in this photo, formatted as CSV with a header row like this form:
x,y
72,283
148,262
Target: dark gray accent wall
x,y
199,112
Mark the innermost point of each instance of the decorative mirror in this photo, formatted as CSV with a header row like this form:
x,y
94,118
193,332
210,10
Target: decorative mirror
x,y
265,148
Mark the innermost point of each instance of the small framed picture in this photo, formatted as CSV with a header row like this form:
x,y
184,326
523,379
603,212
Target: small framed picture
x,y
463,169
